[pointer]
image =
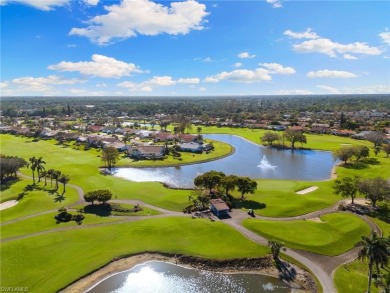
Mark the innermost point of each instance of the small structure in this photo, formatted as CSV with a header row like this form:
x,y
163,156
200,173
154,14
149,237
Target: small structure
x,y
219,207
192,147
146,152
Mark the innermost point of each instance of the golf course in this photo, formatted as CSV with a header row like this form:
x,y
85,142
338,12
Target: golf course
x,y
45,255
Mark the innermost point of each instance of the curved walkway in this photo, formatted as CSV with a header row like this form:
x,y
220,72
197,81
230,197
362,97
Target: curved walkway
x,y
321,266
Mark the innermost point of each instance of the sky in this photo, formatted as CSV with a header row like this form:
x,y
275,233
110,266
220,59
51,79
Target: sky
x,y
194,48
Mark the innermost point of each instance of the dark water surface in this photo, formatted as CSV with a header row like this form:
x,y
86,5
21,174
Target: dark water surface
x,y
160,277
249,159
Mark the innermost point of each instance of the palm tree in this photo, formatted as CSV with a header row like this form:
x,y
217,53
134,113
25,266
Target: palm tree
x,y
44,175
276,246
64,179
33,166
50,174
376,250
56,175
40,167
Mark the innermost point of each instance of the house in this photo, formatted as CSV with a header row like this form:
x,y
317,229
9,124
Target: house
x,y
95,128
118,145
219,207
148,152
185,138
192,147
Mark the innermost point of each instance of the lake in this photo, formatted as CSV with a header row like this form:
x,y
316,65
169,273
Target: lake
x,y
161,277
249,159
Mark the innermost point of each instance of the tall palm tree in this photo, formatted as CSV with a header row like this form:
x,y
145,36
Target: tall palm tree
x,y
50,174
44,175
56,175
64,179
40,167
376,250
33,166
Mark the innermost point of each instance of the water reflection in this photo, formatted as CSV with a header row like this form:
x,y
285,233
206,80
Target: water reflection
x,y
165,277
248,160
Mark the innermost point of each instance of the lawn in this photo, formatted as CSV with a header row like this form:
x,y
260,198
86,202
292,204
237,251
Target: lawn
x,y
34,199
54,260
336,234
353,277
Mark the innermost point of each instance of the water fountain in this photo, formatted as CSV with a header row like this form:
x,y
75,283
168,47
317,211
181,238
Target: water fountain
x,y
265,164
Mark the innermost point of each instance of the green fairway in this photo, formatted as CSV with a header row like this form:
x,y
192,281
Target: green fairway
x,y
54,260
336,233
34,199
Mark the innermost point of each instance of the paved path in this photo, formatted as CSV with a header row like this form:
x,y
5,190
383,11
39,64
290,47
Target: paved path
x,y
322,266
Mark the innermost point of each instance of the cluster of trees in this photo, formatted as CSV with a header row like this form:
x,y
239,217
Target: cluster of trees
x,y
10,165
110,156
218,180
64,216
100,195
37,164
374,189
345,153
291,135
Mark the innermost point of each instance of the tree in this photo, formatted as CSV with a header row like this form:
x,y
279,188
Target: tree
x,y
9,166
199,130
44,175
276,246
33,166
343,154
347,187
386,149
294,136
56,175
103,195
110,155
375,189
228,183
39,166
376,251
50,174
360,151
270,137
90,196
209,179
246,185
375,137
64,179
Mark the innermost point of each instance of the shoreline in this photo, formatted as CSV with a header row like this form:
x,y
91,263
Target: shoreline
x,y
304,282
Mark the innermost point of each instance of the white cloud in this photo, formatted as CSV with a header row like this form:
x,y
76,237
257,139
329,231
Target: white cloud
x,y
277,68
45,5
101,85
43,84
374,89
275,3
241,75
294,92
3,85
385,36
156,81
329,89
248,76
349,57
245,55
100,66
91,2
331,74
237,64
308,34
86,92
144,17
332,49
202,89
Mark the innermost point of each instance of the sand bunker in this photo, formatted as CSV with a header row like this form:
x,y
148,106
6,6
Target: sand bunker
x,y
307,190
7,204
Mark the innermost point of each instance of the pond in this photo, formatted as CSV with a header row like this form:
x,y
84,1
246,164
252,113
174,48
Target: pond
x,y
163,277
249,159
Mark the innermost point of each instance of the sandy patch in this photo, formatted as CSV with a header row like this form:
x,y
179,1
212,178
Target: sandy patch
x,y
8,204
307,190
316,219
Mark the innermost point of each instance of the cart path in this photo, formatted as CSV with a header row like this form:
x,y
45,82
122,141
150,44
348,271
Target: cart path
x,y
321,266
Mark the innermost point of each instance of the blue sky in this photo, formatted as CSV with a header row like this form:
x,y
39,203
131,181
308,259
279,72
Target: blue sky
x,y
194,48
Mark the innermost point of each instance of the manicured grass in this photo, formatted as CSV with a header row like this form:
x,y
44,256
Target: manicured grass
x,y
47,222
221,149
100,211
385,227
353,277
336,234
316,142
34,199
54,260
